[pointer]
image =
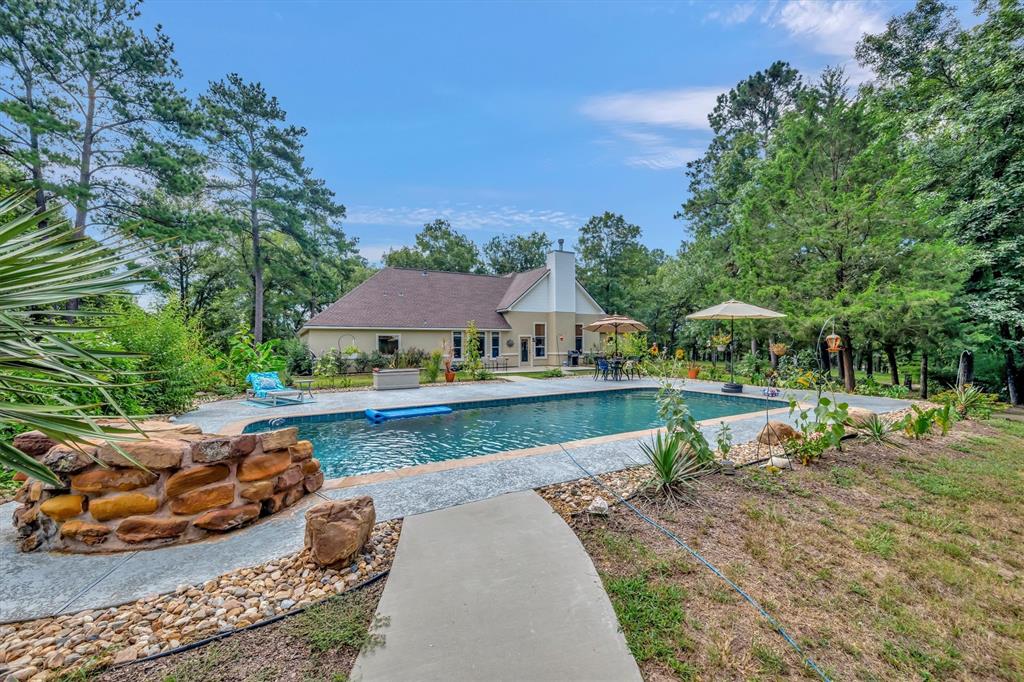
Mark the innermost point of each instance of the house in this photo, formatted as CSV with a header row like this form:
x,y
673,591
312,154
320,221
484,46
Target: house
x,y
530,319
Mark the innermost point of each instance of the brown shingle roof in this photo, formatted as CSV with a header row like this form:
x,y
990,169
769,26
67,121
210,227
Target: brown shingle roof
x,y
396,298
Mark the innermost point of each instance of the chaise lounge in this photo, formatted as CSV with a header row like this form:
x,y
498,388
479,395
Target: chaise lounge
x,y
266,389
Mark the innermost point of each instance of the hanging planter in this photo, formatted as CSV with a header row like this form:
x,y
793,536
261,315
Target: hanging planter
x,y
779,349
720,341
834,342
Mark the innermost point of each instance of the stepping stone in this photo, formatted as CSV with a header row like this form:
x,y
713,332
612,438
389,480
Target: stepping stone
x,y
495,590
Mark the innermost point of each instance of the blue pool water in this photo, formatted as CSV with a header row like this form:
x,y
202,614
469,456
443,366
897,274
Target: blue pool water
x,y
347,444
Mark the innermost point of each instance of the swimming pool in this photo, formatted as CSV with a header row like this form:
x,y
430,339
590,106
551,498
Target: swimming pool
x,y
347,444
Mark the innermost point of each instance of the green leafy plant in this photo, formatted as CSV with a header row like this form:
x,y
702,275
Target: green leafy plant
x,y
945,417
245,356
919,422
472,364
724,440
553,373
675,465
969,401
43,266
821,428
432,366
672,409
875,430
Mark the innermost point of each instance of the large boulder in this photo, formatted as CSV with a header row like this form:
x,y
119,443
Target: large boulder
x,y
777,433
338,530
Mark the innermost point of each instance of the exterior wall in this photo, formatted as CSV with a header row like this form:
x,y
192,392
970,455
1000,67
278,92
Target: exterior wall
x,y
557,325
321,340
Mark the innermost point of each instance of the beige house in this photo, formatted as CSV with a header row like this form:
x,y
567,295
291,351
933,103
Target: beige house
x,y
527,319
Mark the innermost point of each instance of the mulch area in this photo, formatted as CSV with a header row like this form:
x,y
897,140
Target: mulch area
x,y
275,652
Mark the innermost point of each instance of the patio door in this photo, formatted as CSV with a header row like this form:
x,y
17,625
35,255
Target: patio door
x,y
524,349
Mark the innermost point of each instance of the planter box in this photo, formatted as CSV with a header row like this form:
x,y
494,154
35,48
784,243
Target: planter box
x,y
388,379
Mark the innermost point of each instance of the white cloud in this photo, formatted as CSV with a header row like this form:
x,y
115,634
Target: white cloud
x,y
465,217
737,13
663,158
683,108
832,28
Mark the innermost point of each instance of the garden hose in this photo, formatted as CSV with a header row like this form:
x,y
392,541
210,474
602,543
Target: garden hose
x,y
711,567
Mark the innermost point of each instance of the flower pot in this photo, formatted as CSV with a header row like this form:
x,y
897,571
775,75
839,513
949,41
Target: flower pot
x,y
692,372
720,349
449,376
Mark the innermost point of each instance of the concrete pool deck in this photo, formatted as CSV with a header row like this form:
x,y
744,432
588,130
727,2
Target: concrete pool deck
x,y
43,584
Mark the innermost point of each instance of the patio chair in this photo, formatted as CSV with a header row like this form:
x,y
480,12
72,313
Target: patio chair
x,y
266,388
601,369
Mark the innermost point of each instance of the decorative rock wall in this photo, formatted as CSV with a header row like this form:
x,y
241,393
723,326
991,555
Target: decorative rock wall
x,y
193,485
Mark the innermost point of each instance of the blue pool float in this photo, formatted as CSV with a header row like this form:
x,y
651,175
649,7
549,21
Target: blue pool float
x,y
381,416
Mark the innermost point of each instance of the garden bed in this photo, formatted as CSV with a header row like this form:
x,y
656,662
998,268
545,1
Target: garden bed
x,y
882,563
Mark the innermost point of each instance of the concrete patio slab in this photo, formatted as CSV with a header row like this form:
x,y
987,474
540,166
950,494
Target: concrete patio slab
x,y
495,590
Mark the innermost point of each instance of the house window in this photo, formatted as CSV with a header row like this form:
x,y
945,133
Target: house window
x,y
539,333
457,345
495,344
388,343
481,344
579,338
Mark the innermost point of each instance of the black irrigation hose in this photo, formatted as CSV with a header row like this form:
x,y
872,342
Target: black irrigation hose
x,y
228,633
672,536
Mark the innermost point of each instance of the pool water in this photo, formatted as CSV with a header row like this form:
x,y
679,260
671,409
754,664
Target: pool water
x,y
348,444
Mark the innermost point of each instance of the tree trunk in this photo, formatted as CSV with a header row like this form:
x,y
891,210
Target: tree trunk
x,y
771,354
924,374
869,352
33,143
890,357
1014,380
753,345
257,264
84,170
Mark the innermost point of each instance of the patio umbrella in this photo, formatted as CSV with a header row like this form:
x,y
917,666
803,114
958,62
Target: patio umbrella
x,y
734,310
613,324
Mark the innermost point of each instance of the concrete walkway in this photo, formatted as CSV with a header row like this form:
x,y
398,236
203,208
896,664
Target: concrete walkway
x,y
495,590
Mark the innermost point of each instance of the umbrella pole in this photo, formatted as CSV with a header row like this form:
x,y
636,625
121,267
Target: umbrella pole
x,y
732,351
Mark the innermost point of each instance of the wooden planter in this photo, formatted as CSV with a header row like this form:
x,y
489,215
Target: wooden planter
x,y
390,379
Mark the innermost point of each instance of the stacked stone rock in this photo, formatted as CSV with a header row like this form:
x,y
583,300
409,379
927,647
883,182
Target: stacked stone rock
x,y
192,485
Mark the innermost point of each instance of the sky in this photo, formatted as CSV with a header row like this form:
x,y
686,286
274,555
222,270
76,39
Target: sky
x,y
507,117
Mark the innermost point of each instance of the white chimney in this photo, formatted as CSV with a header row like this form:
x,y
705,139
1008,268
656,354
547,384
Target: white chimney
x,y
562,280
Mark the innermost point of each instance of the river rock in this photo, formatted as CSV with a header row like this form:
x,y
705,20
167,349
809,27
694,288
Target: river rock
x,y
120,506
190,479
62,507
275,440
153,453
112,480
227,519
205,498
336,531
256,467
143,528
777,433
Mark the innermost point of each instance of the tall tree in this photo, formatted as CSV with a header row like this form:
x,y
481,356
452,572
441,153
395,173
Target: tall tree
x,y
261,182
613,263
516,252
438,247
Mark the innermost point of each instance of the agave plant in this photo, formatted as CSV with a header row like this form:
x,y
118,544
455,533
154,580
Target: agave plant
x,y
43,266
877,431
675,465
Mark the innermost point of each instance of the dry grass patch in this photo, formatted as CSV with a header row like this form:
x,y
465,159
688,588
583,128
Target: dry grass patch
x,y
883,563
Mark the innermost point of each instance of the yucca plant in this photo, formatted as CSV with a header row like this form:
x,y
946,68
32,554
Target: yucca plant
x,y
43,266
675,465
877,431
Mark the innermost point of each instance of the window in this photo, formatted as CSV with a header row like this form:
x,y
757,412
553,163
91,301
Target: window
x,y
495,344
579,338
481,344
539,332
457,345
388,343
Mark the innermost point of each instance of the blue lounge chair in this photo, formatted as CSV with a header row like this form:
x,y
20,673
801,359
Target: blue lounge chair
x,y
266,388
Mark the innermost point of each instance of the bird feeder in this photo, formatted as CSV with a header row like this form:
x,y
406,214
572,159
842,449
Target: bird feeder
x,y
834,343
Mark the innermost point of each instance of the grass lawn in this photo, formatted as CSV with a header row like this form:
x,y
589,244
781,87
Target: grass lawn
x,y
883,563
318,645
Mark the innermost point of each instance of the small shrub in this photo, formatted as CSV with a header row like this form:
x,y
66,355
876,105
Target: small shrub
x,y
919,422
553,373
432,366
877,431
298,359
724,440
675,465
969,402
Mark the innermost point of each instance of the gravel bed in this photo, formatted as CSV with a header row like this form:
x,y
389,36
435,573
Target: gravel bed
x,y
45,648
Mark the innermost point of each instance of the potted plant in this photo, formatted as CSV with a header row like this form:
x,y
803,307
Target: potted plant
x,y
720,341
449,354
350,352
779,349
692,369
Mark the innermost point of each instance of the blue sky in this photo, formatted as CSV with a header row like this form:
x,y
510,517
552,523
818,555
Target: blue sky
x,y
506,117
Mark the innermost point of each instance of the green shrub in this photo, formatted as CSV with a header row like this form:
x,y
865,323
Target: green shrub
x,y
297,358
245,356
969,401
432,366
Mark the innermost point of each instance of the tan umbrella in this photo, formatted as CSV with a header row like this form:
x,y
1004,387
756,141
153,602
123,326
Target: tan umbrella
x,y
613,324
734,310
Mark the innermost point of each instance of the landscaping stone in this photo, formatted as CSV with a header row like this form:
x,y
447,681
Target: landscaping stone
x,y
301,451
290,477
859,416
259,466
120,506
112,480
243,444
257,491
195,501
279,501
227,519
212,450
275,440
49,648
152,453
313,482
777,433
189,479
143,528
85,531
62,459
310,466
33,443
337,530
63,507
